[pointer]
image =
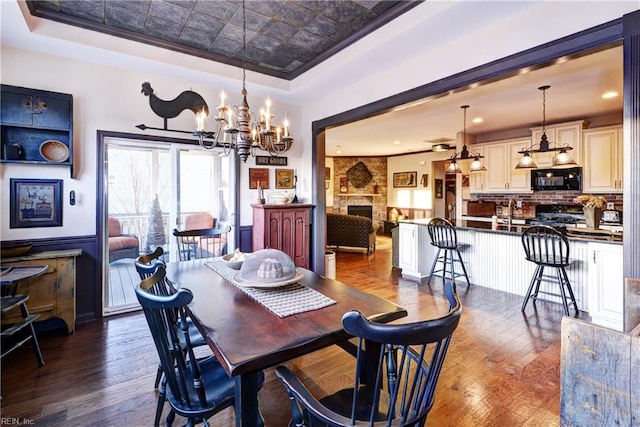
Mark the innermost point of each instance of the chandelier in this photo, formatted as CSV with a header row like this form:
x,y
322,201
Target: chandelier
x,y
476,164
236,131
561,159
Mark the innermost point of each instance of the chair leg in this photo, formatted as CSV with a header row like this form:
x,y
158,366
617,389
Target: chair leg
x,y
531,284
568,284
34,339
562,292
158,376
433,266
162,396
538,281
464,270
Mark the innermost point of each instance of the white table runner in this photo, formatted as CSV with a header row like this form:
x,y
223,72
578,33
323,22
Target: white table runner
x,y
283,301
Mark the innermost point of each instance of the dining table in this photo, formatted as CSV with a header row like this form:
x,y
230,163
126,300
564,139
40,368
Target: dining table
x,y
251,329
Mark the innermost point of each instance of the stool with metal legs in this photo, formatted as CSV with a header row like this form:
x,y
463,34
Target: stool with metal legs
x,y
443,236
22,331
547,247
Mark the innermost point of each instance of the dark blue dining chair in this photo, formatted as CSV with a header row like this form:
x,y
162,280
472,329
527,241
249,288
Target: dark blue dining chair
x,y
195,389
155,281
401,389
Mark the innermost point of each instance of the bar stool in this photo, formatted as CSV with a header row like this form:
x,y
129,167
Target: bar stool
x,y
16,334
547,247
443,236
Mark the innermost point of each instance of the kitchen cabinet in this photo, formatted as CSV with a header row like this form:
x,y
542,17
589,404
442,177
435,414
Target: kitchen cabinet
x,y
415,252
560,135
603,171
284,227
29,117
501,175
52,295
606,285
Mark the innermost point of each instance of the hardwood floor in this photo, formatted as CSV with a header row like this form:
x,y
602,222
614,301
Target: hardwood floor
x,y
503,366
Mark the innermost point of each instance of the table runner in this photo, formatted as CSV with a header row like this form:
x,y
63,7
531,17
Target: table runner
x,y
283,301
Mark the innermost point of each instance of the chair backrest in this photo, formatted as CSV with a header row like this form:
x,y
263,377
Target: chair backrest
x,y
442,233
410,360
114,227
546,246
155,280
205,243
199,221
167,320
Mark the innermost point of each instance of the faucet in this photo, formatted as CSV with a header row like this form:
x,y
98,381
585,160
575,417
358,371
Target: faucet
x,y
512,202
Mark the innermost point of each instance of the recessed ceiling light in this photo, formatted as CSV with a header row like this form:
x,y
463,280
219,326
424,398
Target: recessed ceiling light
x,y
609,95
339,152
477,120
396,142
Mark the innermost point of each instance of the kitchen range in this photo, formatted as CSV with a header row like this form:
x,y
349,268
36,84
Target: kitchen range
x,y
567,218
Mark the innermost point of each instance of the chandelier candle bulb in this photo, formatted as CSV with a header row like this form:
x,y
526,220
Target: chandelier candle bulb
x,y
200,121
286,126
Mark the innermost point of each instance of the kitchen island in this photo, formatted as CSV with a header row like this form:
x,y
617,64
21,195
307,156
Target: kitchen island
x,y
495,259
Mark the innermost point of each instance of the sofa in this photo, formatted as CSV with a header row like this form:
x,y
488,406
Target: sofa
x,y
121,245
350,231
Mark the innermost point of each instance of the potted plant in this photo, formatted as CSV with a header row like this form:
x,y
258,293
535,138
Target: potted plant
x,y
592,208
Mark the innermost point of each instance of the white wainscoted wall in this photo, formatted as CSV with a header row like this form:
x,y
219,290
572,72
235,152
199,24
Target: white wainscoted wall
x,y
496,260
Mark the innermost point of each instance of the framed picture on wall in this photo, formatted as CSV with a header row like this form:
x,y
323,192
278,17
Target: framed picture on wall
x,y
258,177
284,178
438,188
35,203
405,179
327,174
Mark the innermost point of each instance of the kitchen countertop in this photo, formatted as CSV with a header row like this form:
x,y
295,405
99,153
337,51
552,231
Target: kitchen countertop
x,y
515,229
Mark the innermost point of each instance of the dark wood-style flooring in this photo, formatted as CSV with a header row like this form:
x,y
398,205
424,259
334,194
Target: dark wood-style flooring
x,y
502,369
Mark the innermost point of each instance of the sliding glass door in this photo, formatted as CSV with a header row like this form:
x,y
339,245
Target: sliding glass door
x,y
152,188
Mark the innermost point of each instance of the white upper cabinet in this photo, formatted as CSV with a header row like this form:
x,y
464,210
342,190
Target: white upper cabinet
x,y
477,179
602,171
560,135
501,175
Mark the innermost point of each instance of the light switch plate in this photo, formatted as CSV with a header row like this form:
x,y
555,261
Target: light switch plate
x,y
518,203
610,205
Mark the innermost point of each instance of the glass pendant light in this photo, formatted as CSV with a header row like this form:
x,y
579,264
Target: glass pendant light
x,y
526,162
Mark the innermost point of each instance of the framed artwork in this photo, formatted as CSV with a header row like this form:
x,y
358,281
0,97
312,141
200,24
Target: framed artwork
x,y
327,174
284,178
344,185
258,177
35,203
438,188
424,180
405,179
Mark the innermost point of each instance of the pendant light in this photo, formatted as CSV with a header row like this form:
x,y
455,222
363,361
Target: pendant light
x,y
561,159
476,164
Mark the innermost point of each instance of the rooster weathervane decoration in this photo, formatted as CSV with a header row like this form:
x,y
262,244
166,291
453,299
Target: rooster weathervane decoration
x,y
187,100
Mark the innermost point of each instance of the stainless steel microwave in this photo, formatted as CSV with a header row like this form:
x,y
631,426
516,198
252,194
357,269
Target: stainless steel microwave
x,y
556,179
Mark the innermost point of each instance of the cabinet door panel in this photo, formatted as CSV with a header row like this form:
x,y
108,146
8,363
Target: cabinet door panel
x,y
16,109
518,178
496,161
51,113
601,161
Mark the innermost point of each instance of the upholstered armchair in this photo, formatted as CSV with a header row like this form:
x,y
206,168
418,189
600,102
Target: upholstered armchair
x,y
121,245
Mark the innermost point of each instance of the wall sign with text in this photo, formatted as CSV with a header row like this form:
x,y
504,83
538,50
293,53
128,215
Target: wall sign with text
x,y
271,161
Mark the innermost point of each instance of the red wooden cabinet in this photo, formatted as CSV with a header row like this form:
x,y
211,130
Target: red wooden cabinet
x,y
284,227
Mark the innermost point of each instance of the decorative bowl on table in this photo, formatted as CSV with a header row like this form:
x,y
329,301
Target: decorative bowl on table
x,y
54,151
14,249
280,198
268,268
234,260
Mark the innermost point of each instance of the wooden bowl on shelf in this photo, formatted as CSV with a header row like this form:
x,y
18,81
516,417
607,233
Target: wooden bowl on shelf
x,y
10,249
54,151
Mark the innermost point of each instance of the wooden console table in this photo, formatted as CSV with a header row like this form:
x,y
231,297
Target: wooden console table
x,y
53,294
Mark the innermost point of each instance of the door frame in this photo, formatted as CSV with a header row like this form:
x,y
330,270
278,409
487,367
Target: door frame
x,y
101,220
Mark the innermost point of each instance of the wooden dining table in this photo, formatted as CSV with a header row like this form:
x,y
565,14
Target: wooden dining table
x,y
247,338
